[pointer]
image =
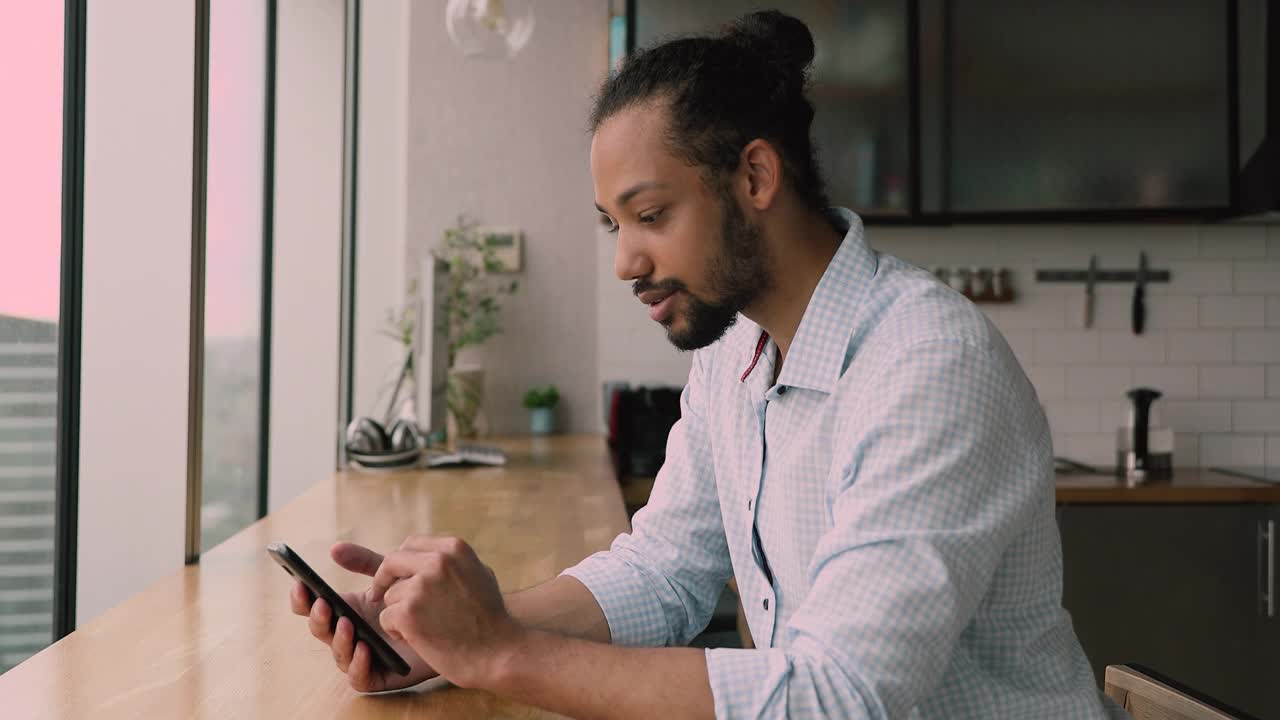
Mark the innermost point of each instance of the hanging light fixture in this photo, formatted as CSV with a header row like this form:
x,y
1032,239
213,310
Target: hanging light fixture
x,y
489,28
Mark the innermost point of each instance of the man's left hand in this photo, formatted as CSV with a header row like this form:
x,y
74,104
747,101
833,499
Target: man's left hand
x,y
445,603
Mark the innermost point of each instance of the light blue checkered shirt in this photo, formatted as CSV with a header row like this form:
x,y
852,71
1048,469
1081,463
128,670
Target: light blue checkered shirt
x,y
900,477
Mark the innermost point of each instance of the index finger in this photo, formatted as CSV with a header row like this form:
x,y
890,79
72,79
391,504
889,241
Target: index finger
x,y
395,565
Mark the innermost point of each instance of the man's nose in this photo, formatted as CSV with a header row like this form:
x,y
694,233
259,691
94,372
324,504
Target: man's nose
x,y
630,261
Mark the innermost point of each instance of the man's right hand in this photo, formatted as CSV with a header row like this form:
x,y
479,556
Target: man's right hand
x,y
354,658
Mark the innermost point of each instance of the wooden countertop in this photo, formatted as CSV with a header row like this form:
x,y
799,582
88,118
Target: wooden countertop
x,y
1188,485
217,639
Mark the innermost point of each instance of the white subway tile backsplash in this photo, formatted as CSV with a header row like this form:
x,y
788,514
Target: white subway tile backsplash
x,y
1256,416
1114,413
1022,343
1199,416
1029,312
1175,381
1212,340
1093,448
1257,277
1258,346
1232,311
1172,312
1066,347
1205,346
1122,346
1218,450
1072,416
1098,381
1195,277
1050,381
1233,241
1232,381
1186,449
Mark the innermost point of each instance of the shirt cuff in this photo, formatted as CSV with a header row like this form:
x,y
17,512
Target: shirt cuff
x,y
627,597
748,683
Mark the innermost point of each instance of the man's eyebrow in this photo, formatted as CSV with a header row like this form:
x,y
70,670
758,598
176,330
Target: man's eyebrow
x,y
632,191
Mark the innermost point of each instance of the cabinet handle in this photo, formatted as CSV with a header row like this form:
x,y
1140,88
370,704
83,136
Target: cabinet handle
x,y
1267,568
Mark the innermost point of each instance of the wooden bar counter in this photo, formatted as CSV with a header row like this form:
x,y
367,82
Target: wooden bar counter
x,y
217,639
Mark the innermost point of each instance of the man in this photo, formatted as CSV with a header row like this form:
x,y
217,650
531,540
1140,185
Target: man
x,y
857,446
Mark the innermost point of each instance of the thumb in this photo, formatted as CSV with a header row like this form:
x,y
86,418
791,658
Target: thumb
x,y
356,558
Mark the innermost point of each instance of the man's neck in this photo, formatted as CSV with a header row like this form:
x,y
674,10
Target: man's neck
x,y
801,248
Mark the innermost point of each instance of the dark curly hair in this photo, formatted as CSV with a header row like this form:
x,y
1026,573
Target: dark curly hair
x,y
724,91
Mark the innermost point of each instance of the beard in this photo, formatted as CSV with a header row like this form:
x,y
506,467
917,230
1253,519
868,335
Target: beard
x,y
738,275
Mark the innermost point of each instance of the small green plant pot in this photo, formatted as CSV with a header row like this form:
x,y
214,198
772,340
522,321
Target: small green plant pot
x,y
542,421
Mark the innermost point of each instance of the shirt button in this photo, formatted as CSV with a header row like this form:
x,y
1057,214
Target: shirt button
x,y
782,390
766,603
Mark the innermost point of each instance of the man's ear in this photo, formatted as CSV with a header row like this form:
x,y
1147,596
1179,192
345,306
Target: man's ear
x,y
763,173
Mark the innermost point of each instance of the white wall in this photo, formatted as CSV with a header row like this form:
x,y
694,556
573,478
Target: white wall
x,y
1212,342
381,203
307,235
506,142
134,341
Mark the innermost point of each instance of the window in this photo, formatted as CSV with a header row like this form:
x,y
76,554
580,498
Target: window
x,y
234,244
31,38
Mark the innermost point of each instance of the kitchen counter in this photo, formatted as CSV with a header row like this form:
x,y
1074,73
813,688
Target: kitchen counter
x,y
1188,485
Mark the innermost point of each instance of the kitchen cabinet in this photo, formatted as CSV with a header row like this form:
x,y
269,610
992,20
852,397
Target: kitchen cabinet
x,y
1085,106
934,111
859,89
1176,587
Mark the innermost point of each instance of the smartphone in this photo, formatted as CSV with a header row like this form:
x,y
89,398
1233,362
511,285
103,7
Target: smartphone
x,y
383,653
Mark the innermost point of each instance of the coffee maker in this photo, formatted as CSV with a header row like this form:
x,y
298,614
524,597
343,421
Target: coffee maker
x,y
1144,444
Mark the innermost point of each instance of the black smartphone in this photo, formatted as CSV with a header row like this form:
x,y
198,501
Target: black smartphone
x,y
383,653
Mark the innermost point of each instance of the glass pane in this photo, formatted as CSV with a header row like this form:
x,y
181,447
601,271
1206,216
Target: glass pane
x,y
30,271
233,269
858,90
1136,116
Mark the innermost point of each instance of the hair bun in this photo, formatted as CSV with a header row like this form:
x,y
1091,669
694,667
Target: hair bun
x,y
783,38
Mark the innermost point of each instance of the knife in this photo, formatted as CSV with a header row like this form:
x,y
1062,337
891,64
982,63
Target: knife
x,y
1139,291
1088,290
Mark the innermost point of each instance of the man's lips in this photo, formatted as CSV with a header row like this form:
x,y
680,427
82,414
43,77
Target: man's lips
x,y
659,304
649,297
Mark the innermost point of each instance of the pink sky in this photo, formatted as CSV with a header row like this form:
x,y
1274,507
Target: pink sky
x,y
30,158
31,163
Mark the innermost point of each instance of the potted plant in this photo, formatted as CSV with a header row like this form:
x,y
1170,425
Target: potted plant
x,y
472,315
541,403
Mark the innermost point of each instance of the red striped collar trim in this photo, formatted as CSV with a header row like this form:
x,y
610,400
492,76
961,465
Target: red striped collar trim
x,y
764,338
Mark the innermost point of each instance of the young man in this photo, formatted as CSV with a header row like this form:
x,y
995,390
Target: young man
x,y
857,446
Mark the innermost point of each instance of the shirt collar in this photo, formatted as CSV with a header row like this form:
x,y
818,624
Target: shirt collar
x,y
817,353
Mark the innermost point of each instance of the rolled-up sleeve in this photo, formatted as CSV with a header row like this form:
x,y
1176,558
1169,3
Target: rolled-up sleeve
x,y
939,471
659,584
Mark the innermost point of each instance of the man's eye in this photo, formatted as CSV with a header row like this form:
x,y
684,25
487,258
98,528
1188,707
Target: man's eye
x,y
650,219
608,224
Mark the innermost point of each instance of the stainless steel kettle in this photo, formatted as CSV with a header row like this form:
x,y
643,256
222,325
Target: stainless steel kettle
x,y
1144,444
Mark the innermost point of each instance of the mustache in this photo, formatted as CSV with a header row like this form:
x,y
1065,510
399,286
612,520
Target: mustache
x,y
670,285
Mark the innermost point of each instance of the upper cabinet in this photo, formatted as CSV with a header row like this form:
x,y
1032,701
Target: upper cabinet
x,y
1090,105
859,88
934,111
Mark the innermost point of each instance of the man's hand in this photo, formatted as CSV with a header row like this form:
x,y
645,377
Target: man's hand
x,y
441,600
354,658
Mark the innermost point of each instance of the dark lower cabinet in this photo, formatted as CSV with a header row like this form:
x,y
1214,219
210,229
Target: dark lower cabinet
x,y
1180,589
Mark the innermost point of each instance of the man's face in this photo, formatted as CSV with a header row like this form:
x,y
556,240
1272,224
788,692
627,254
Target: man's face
x,y
693,256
